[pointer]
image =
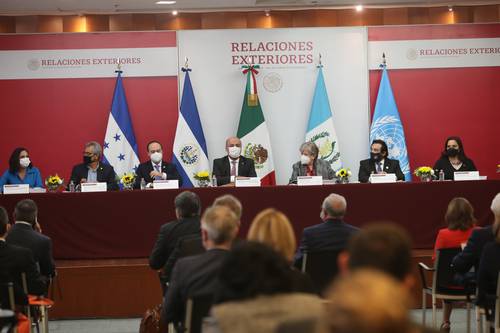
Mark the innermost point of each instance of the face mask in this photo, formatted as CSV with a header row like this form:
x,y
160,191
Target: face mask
x,y
304,159
234,152
156,157
375,157
87,159
452,152
24,162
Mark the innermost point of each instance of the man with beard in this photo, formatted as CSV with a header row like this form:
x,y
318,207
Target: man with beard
x,y
379,163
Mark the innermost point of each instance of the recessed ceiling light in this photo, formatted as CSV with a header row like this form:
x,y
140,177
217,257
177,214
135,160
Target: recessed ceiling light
x,y
267,12
450,8
174,12
359,8
166,2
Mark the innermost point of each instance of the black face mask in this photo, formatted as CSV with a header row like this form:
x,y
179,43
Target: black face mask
x,y
452,152
87,160
376,157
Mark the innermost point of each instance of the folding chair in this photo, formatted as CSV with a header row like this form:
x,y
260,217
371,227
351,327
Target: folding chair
x,y
197,308
39,303
322,267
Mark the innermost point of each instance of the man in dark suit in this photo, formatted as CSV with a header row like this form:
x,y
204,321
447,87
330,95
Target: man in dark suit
x,y
196,275
333,234
156,168
379,162
92,170
14,261
26,232
187,210
227,168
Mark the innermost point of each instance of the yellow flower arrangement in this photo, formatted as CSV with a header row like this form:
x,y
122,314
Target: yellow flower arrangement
x,y
343,173
424,171
127,179
202,175
54,181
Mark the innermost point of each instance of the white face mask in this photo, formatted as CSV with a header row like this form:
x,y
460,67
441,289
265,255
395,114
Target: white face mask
x,y
304,159
24,162
156,157
234,152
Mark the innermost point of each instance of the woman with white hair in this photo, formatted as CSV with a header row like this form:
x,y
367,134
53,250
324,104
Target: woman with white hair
x,y
310,164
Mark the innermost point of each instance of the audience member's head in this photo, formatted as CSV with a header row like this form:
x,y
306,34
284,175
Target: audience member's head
x,y
219,227
187,204
26,211
385,247
231,202
4,221
368,301
273,228
252,269
495,208
334,206
460,214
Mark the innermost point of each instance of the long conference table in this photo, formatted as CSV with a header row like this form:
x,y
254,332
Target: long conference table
x,y
125,224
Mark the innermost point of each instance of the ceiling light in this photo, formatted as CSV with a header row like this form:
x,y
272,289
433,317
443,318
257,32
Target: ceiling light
x,y
450,8
174,12
165,2
267,12
359,8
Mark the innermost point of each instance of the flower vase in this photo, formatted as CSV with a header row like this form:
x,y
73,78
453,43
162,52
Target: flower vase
x,y
53,188
128,187
344,180
203,182
426,178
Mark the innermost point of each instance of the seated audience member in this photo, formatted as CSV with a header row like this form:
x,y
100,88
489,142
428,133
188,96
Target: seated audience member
x,y
196,275
489,265
231,202
460,222
21,170
255,293
26,232
92,169
227,168
379,162
14,261
156,168
453,158
310,164
187,211
333,234
368,301
272,227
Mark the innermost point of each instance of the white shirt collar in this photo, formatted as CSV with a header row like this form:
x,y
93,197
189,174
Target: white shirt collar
x,y
23,222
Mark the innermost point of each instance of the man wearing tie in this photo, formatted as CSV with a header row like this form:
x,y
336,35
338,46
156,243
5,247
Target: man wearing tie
x,y
379,162
156,168
227,168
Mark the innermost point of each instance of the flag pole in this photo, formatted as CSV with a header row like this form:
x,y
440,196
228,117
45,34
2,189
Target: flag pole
x,y
119,68
384,61
320,64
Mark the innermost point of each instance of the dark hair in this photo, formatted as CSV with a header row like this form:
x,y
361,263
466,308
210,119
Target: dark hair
x,y
461,152
14,165
252,269
4,220
383,246
153,141
460,214
384,146
26,210
188,204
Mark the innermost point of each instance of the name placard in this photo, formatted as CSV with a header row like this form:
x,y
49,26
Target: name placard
x,y
16,189
466,175
94,187
247,182
380,178
165,184
309,180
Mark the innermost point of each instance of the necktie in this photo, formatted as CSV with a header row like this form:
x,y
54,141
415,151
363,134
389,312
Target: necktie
x,y
379,167
157,168
233,168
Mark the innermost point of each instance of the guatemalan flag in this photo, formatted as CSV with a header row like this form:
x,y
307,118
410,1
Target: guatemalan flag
x,y
120,147
190,147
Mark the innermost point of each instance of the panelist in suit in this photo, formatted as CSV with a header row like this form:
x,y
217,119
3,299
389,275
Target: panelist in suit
x,y
379,162
26,232
156,168
453,158
227,168
310,164
92,170
21,170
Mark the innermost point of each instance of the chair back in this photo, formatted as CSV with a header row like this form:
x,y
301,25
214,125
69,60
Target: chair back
x,y
443,279
190,246
322,267
497,306
297,326
197,307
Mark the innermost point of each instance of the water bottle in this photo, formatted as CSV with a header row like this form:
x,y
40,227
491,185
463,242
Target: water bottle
x,y
441,174
143,184
72,186
214,181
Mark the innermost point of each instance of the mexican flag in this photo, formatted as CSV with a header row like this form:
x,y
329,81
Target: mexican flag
x,y
252,130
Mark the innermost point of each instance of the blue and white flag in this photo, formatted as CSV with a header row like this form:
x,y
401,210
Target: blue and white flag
x,y
190,147
387,126
120,147
320,129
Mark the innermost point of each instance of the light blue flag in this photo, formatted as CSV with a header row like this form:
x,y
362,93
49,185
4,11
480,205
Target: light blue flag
x,y
320,128
190,147
387,126
120,147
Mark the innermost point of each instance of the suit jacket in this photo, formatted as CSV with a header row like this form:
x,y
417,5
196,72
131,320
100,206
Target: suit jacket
x,y
144,169
333,234
40,245
487,275
367,167
14,261
222,170
471,253
321,167
105,174
192,276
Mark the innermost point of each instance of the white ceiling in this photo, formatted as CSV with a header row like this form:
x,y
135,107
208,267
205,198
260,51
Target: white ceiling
x,y
61,7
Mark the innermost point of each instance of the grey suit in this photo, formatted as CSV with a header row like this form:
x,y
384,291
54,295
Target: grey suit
x,y
321,167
